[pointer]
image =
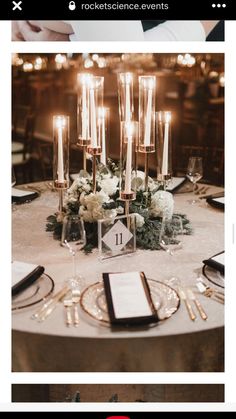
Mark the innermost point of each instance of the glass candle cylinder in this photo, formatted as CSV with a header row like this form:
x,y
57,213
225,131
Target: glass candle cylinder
x,y
61,151
103,120
96,89
147,97
164,145
126,96
83,109
128,142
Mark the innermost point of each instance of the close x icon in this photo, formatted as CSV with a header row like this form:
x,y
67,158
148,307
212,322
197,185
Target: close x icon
x,y
17,5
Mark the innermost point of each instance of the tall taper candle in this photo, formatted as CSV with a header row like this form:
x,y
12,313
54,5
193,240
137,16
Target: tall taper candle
x,y
60,164
103,116
167,119
93,120
127,97
147,135
128,169
84,111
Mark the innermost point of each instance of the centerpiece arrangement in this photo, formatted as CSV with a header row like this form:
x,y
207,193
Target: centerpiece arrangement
x,y
117,188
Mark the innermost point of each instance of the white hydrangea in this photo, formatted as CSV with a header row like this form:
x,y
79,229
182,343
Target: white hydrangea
x,y
85,214
95,199
139,220
82,198
109,184
140,181
109,213
91,208
162,204
80,183
120,210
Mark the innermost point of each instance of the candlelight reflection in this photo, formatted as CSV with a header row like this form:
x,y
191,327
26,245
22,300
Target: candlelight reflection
x,y
190,86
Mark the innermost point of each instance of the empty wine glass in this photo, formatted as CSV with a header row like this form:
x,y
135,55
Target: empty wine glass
x,y
169,232
194,173
74,239
13,177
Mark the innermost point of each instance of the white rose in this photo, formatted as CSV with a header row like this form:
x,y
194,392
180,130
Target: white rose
x,y
162,204
110,213
109,185
140,181
92,200
139,220
97,212
120,210
71,199
102,197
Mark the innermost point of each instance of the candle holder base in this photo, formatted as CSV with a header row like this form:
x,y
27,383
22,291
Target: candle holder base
x,y
82,142
61,185
131,196
164,178
146,170
94,151
147,149
61,211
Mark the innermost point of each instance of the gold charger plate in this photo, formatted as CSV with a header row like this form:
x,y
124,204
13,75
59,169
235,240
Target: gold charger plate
x,y
34,294
165,300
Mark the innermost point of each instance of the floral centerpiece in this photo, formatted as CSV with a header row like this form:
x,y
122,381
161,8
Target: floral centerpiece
x,y
150,208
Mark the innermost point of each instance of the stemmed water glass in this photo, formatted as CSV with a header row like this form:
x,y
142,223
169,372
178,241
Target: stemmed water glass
x,y
74,239
169,232
194,173
13,177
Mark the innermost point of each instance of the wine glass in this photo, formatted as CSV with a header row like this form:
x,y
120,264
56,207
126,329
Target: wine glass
x,y
13,177
194,173
169,232
74,239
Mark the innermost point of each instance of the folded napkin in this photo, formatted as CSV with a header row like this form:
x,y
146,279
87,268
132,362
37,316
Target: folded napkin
x,y
21,196
24,275
216,262
216,201
175,184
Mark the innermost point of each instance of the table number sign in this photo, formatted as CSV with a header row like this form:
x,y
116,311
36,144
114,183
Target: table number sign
x,y
117,237
128,298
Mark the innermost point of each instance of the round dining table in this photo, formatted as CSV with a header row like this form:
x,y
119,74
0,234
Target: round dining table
x,y
176,344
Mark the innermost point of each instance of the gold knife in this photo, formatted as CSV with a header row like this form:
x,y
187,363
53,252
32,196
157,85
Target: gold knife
x,y
192,297
49,305
189,308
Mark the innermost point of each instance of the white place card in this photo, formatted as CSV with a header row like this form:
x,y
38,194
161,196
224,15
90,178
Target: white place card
x,y
128,295
129,300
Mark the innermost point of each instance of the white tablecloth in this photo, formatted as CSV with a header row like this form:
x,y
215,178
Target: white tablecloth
x,y
176,344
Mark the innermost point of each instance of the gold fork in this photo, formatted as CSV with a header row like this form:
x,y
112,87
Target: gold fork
x,y
75,300
68,303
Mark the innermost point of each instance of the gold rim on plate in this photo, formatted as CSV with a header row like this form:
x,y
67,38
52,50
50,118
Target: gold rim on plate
x,y
165,299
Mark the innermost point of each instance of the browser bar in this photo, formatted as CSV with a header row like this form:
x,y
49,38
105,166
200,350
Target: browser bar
x,y
118,10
